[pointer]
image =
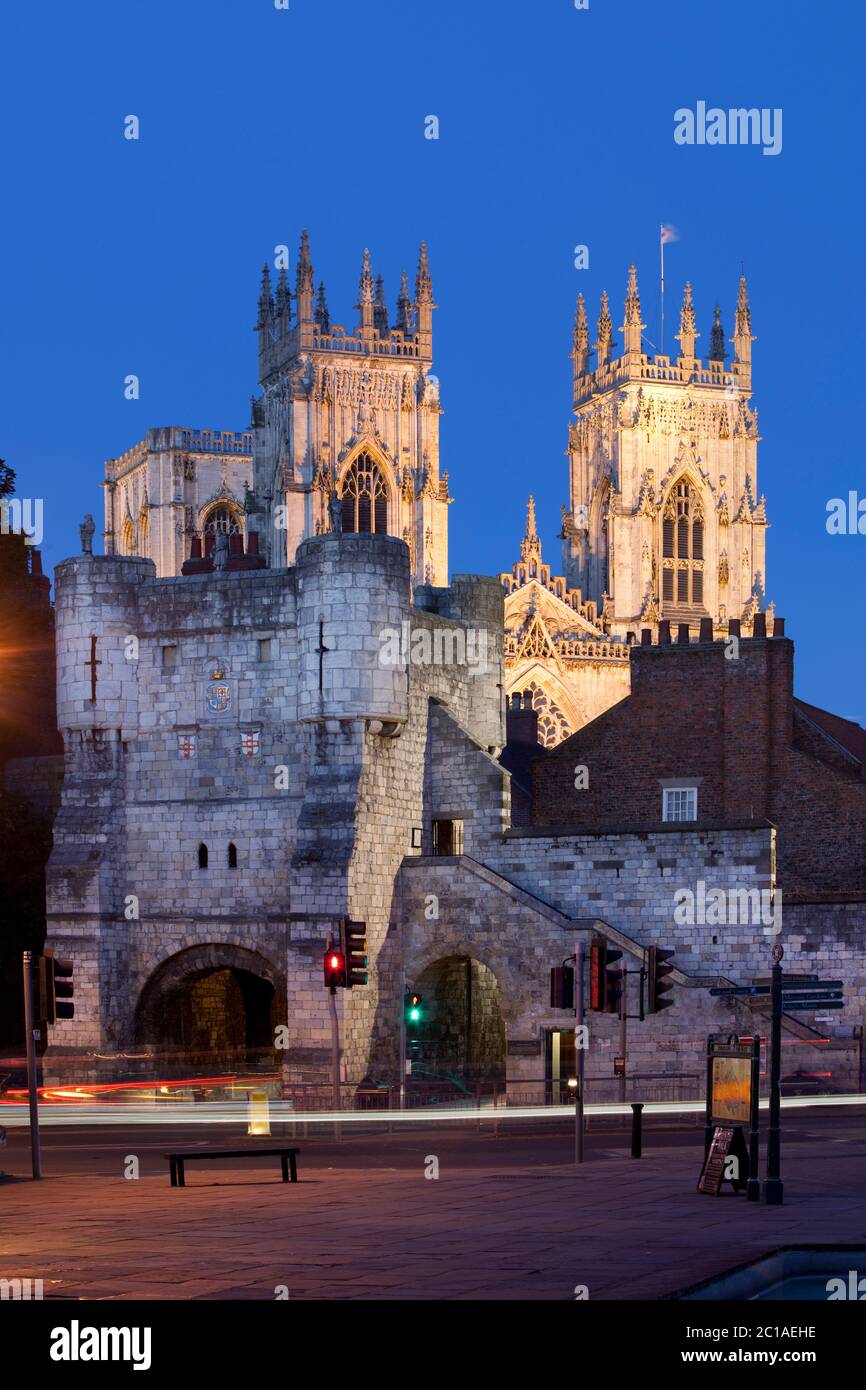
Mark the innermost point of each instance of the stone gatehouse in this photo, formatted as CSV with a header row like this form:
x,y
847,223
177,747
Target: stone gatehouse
x,y
244,766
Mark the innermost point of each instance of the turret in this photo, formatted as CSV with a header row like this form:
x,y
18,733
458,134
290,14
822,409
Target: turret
x,y
353,667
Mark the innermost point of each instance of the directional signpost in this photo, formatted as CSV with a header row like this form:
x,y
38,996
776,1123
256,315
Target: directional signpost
x,y
787,994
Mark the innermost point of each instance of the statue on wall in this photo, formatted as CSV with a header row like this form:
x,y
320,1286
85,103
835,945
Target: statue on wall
x,y
86,531
220,550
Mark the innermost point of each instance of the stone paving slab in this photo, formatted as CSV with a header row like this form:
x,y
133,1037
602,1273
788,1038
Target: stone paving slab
x,y
625,1228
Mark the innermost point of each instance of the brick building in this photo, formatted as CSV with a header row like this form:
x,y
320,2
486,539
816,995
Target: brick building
x,y
712,733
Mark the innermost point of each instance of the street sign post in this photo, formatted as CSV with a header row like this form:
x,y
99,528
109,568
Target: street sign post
x,y
787,994
30,1043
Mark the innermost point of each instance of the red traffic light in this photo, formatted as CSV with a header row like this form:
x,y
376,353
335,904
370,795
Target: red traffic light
x,y
605,983
335,969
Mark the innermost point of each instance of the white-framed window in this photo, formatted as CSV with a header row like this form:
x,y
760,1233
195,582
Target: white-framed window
x,y
680,803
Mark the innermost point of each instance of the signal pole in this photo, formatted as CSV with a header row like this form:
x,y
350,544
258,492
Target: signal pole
x,y
579,955
402,1043
773,1186
30,1041
623,1035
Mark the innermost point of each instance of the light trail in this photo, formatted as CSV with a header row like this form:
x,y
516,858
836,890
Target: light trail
x,y
181,1113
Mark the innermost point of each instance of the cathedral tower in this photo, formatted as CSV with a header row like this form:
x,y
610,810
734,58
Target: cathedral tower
x,y
347,425
664,519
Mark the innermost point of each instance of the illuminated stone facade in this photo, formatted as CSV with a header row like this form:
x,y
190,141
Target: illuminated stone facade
x,y
664,518
555,647
347,425
174,485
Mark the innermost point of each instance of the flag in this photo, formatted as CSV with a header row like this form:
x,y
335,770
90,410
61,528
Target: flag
x,y
668,233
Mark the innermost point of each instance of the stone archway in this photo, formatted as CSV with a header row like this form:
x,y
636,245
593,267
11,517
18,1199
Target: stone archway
x,y
462,1032
214,1005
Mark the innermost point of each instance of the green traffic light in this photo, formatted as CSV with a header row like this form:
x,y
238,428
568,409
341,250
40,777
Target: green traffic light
x,y
414,1015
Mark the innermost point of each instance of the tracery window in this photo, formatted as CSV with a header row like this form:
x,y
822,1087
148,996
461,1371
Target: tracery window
x,y
683,547
219,519
553,726
364,498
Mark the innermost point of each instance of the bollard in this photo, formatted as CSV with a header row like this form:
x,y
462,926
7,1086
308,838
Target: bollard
x,y
259,1113
636,1121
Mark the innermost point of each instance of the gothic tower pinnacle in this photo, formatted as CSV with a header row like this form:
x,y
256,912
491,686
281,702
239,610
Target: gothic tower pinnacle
x,y
304,281
404,308
632,325
365,304
743,336
322,316
604,333
718,351
580,341
380,308
424,305
687,335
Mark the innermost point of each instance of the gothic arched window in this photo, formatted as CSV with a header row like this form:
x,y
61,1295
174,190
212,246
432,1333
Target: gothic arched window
x,y
219,519
553,726
683,547
364,498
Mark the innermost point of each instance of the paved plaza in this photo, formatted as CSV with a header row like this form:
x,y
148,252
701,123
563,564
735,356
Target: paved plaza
x,y
501,1221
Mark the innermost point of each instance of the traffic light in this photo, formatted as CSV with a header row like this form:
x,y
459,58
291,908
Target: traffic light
x,y
414,1012
561,987
56,988
658,982
335,968
605,982
353,944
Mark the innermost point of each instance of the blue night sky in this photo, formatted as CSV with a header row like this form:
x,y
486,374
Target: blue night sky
x,y
556,129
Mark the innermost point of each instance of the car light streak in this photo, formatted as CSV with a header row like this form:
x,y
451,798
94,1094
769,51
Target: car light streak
x,y
190,1113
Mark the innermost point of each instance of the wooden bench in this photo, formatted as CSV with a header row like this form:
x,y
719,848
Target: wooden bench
x,y
288,1160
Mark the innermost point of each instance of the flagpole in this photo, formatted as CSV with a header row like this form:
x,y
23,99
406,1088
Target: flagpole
x,y
662,255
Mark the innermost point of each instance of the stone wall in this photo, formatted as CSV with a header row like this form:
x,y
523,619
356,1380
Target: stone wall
x,y
722,718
